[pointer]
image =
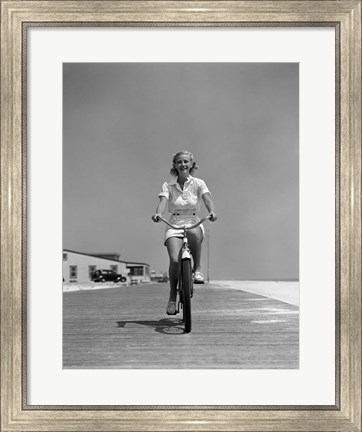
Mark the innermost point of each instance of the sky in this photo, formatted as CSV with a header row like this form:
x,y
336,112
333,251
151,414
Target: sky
x,y
122,122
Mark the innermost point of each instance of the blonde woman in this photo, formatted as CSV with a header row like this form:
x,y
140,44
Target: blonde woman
x,y
182,196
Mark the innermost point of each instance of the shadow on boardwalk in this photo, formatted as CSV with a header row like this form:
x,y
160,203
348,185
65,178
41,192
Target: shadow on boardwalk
x,y
170,326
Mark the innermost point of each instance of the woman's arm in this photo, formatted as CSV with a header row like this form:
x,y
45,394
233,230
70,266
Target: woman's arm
x,y
160,209
209,203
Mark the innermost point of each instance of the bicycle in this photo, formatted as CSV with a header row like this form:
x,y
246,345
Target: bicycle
x,y
185,283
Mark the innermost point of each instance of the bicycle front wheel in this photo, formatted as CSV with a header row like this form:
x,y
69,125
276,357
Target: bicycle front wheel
x,y
186,289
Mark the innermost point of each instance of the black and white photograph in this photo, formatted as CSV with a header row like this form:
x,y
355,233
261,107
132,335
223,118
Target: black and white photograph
x,y
181,216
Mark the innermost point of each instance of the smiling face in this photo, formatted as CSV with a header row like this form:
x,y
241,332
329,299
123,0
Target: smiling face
x,y
183,164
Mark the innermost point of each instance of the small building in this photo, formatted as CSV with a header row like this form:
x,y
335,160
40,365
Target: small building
x,y
78,267
139,272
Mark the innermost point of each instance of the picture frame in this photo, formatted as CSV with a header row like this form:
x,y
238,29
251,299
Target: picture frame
x,y
17,17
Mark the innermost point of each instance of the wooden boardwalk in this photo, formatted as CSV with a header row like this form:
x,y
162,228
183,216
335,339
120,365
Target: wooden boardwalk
x,y
128,328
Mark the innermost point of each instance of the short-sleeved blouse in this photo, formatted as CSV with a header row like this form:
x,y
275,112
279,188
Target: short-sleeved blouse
x,y
187,199
183,204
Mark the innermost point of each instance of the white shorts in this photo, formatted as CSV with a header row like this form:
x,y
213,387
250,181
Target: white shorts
x,y
181,219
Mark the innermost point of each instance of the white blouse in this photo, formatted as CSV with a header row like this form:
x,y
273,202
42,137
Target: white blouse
x,y
188,199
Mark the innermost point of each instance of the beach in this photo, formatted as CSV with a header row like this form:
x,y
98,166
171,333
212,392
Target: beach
x,y
285,291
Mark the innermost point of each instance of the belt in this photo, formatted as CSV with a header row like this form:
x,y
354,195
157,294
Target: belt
x,y
183,212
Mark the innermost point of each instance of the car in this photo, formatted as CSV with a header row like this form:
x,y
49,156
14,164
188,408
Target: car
x,y
107,275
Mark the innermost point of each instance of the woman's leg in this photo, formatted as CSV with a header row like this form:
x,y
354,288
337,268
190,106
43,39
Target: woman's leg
x,y
173,245
195,238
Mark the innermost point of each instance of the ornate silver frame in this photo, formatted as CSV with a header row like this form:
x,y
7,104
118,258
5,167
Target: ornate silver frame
x,y
16,17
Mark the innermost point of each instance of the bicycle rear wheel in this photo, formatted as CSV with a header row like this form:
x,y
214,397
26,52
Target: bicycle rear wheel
x,y
186,291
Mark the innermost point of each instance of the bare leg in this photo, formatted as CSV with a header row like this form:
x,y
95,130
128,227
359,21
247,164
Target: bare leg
x,y
195,238
173,245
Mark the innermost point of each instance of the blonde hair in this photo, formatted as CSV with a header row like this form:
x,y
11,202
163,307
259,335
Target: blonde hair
x,y
194,167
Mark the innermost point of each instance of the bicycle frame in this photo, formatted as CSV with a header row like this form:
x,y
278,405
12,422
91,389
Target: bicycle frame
x,y
185,278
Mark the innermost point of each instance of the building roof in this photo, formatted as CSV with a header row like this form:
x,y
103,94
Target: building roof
x,y
106,259
136,263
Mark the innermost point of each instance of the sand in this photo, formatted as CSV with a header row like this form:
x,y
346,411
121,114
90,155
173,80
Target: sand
x,y
285,291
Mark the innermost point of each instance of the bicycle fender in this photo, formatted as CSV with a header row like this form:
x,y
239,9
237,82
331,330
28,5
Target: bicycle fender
x,y
186,255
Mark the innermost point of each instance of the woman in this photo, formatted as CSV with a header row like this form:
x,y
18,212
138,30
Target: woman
x,y
183,195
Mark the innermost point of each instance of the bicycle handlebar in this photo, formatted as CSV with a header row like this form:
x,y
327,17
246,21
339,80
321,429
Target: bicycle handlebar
x,y
184,226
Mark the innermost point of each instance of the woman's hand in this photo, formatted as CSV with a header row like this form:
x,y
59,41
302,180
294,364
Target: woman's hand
x,y
157,217
213,216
